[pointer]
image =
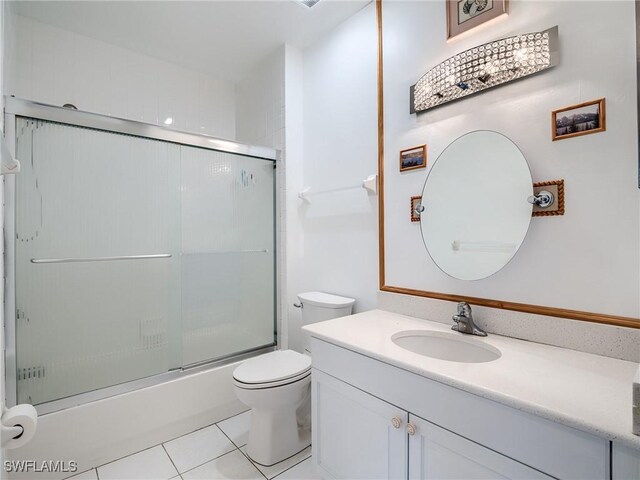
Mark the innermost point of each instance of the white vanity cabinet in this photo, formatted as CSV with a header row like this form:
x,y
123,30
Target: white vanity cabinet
x,y
356,435
625,463
359,436
436,454
372,420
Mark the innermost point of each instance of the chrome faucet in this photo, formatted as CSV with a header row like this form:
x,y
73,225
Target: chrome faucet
x,y
464,321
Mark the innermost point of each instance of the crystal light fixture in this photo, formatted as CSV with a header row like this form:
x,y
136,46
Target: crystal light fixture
x,y
485,66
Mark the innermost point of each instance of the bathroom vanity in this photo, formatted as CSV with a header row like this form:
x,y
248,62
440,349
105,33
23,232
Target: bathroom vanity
x,y
387,404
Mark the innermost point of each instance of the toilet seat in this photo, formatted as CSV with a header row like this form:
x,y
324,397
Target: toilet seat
x,y
272,369
280,383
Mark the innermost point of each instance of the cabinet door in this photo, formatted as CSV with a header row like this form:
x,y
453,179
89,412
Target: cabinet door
x,y
435,453
626,463
354,436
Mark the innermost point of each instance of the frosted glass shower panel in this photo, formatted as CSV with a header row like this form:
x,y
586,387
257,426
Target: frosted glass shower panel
x,y
88,315
228,283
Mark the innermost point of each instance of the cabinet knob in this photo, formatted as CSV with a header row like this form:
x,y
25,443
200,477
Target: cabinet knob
x,y
411,429
396,422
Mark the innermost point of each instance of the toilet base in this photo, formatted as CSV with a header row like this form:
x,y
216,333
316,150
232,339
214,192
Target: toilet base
x,y
275,436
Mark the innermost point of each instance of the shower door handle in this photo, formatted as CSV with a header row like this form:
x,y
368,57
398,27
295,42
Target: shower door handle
x,y
100,259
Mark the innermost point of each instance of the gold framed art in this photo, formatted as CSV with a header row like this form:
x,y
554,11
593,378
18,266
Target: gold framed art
x,y
581,119
413,158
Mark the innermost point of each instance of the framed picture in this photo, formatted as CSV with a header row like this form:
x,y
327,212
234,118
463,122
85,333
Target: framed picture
x,y
415,201
581,119
463,15
413,158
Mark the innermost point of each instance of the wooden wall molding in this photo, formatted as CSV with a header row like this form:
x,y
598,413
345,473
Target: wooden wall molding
x,y
602,318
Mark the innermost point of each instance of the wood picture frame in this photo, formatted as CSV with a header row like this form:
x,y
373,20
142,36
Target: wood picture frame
x,y
585,118
586,316
556,187
463,15
415,201
413,158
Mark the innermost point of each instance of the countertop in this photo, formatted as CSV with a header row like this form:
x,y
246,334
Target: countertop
x,y
584,391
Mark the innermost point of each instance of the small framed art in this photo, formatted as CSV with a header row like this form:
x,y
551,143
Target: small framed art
x,y
576,120
413,158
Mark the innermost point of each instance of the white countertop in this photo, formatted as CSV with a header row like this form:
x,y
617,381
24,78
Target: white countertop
x,y
584,391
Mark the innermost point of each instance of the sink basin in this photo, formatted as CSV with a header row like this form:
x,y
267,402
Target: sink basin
x,y
446,346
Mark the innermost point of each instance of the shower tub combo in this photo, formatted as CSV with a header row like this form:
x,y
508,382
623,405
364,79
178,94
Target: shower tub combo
x,y
140,268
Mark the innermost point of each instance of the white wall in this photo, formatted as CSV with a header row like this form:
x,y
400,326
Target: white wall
x,y
293,168
259,100
340,149
55,66
589,257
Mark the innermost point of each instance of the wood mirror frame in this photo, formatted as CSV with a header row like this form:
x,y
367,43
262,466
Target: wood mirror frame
x,y
485,302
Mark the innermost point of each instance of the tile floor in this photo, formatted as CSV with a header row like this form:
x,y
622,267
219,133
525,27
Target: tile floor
x,y
213,452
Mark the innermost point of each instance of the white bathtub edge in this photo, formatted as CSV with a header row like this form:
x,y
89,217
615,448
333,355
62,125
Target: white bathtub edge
x,y
100,432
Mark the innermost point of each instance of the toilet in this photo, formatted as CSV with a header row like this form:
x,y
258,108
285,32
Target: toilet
x,y
277,388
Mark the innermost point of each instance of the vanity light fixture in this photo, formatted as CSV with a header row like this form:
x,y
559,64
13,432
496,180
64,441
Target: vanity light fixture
x,y
485,66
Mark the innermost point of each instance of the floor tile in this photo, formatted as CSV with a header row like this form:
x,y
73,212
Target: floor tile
x,y
232,466
278,468
88,475
198,447
301,471
152,464
237,428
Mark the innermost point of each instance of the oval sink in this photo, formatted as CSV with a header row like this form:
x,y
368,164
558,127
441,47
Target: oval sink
x,y
446,346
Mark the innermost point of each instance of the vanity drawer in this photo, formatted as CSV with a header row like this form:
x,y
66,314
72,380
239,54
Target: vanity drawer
x,y
552,448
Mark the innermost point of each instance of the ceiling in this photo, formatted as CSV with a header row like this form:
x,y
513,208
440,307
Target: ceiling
x,y
223,38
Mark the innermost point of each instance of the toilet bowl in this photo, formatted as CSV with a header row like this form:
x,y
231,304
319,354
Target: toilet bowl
x,y
276,386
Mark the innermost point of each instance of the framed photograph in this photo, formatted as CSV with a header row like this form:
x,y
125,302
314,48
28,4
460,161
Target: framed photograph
x,y
581,119
463,15
415,201
413,158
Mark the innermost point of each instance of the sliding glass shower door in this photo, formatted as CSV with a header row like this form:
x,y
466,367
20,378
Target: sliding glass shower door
x,y
134,257
228,283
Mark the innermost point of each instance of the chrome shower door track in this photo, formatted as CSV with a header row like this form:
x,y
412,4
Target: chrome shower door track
x,y
40,111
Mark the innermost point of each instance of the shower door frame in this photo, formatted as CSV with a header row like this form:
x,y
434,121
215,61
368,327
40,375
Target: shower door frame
x,y
15,108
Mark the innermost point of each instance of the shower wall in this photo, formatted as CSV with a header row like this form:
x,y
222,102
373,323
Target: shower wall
x,y
55,66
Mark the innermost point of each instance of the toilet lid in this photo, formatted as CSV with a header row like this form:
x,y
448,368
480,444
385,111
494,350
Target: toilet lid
x,y
272,367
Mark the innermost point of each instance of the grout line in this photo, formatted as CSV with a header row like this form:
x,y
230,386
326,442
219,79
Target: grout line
x,y
126,456
263,474
79,473
170,440
254,465
303,460
170,459
234,443
204,463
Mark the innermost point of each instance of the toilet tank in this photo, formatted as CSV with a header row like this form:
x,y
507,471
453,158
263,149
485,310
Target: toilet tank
x,y
320,306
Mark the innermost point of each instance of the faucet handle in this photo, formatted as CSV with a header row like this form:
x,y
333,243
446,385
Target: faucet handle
x,y
464,309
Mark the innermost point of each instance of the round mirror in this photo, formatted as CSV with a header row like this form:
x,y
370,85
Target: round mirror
x,y
476,213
